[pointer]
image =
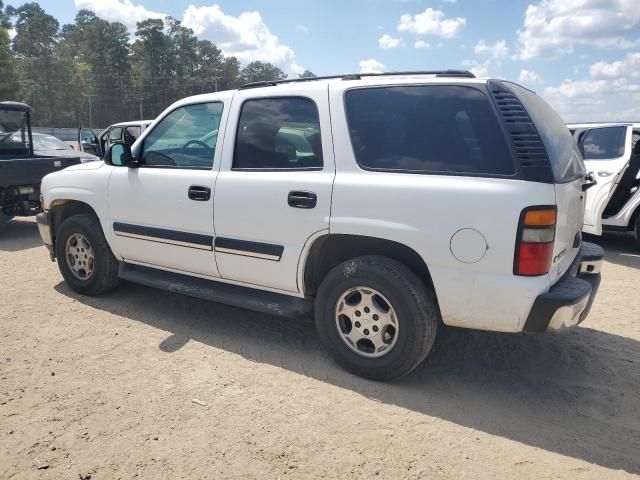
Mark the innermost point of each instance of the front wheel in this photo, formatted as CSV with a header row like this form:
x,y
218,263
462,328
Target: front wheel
x,y
636,230
376,317
84,257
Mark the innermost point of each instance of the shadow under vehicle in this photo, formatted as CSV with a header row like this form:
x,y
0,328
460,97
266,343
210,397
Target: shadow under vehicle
x,y
21,170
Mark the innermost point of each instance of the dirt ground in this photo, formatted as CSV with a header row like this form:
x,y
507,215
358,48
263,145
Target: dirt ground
x,y
105,387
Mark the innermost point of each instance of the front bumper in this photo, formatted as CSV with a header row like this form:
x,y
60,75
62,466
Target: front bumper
x,y
568,302
44,228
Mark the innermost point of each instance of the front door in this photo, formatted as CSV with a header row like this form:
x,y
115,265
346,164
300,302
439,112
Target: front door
x,y
162,212
273,192
88,142
606,152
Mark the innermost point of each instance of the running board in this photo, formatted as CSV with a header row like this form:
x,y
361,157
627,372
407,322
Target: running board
x,y
236,296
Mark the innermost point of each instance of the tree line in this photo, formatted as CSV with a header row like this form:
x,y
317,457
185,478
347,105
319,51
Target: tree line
x,y
90,73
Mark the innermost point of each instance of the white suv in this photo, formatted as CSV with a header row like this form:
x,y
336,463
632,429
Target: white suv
x,y
386,204
612,152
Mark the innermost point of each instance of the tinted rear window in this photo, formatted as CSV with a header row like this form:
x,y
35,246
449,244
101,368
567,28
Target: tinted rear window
x,y
427,129
603,143
565,158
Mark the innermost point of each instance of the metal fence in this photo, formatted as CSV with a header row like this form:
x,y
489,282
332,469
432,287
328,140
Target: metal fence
x,y
64,134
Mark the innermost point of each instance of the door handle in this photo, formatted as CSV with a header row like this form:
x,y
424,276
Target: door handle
x,y
300,199
604,173
199,193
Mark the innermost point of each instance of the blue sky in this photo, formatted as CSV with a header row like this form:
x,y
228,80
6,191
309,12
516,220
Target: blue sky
x,y
583,56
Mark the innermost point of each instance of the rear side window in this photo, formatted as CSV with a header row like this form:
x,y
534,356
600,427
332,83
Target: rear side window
x,y
278,133
603,143
561,147
427,129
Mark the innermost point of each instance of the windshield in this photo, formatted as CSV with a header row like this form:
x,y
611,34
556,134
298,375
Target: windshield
x,y
14,139
49,142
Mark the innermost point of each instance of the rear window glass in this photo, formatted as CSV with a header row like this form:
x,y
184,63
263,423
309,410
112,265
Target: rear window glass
x,y
565,158
427,129
603,143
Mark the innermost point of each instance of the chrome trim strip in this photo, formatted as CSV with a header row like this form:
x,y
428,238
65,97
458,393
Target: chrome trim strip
x,y
164,240
246,253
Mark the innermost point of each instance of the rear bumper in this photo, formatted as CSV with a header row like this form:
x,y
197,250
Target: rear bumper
x,y
44,227
569,301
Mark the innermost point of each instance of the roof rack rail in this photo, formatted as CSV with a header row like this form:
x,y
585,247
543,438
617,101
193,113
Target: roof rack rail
x,y
358,76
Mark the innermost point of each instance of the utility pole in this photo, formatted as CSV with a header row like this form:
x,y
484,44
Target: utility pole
x,y
90,95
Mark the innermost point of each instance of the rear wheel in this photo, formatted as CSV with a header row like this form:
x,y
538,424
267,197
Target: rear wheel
x,y
84,257
636,230
376,317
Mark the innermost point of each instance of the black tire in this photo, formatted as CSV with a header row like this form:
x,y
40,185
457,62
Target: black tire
x,y
415,306
105,266
636,231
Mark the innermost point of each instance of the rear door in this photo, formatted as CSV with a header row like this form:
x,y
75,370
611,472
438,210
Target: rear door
x,y
606,152
273,194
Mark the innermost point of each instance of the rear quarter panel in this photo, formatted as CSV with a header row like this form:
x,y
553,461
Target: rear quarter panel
x,y
424,212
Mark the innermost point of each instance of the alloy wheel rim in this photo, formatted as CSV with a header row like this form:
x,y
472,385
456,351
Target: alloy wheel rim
x,y
366,322
79,256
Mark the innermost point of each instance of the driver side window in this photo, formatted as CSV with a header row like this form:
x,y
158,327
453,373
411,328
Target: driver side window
x,y
186,138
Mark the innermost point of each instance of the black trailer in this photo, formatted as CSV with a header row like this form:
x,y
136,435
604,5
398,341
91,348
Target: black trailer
x,y
21,171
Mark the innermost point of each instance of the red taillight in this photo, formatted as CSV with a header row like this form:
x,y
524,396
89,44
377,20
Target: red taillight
x,y
534,243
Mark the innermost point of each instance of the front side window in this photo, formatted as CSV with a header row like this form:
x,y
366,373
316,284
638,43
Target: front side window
x,y
603,143
427,129
115,135
278,133
185,138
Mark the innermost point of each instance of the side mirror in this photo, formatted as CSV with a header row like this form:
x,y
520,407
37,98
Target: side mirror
x,y
589,181
119,155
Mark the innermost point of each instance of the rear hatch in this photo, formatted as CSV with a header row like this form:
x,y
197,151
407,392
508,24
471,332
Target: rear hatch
x,y
568,176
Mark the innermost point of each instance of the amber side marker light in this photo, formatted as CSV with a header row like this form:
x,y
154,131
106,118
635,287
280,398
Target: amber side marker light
x,y
534,241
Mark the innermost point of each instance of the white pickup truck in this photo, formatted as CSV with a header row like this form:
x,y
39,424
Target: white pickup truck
x,y
385,204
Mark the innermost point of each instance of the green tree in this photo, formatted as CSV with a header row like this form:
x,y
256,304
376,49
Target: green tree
x,y
9,81
43,75
98,51
307,74
261,71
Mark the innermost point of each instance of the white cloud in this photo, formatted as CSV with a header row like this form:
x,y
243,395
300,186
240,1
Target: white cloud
x,y
479,69
608,94
529,77
123,11
302,28
449,1
12,33
497,51
431,22
629,66
386,41
555,27
246,36
371,66
421,44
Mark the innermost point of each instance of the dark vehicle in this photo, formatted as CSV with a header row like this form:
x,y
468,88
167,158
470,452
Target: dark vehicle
x,y
48,145
21,171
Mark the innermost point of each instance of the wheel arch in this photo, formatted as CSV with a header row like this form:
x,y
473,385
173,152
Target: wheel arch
x,y
328,251
61,209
